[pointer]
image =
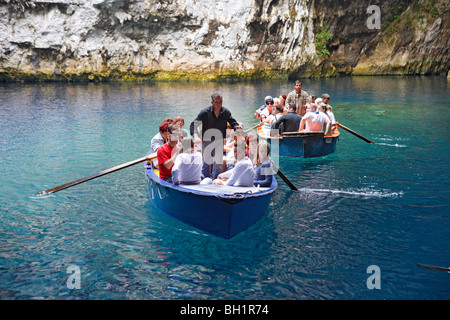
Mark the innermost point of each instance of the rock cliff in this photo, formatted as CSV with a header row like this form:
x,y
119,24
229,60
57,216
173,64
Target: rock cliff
x,y
220,39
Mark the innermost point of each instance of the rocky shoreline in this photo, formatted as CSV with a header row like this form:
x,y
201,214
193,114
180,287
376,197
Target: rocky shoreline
x,y
205,40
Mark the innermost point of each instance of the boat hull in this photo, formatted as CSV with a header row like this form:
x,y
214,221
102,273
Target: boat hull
x,y
303,145
221,214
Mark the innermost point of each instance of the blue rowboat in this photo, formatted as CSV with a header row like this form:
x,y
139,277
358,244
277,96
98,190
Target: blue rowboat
x,y
223,211
302,144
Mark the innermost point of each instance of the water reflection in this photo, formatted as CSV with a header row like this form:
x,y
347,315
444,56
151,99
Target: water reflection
x,y
364,204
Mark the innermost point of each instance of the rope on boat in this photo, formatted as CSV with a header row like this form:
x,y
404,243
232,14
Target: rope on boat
x,y
233,198
159,190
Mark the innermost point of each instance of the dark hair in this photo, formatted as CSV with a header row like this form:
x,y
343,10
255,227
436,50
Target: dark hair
x,y
298,81
169,120
279,107
163,126
172,128
293,106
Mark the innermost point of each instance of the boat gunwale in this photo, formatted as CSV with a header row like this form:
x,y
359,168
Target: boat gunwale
x,y
150,173
302,135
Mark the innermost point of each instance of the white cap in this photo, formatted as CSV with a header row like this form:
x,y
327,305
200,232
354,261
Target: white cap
x,y
268,98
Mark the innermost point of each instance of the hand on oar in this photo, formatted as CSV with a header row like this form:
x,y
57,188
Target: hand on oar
x,y
354,133
96,175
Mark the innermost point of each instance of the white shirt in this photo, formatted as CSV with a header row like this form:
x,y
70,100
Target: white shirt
x,y
265,112
315,120
242,175
157,141
332,118
187,168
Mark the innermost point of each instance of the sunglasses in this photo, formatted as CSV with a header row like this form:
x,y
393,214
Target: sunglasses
x,y
269,102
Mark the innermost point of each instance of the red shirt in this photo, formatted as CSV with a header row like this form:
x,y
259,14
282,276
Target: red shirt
x,y
164,153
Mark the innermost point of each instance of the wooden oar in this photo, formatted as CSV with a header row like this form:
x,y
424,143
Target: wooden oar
x,y
243,133
425,266
96,175
284,178
354,133
254,127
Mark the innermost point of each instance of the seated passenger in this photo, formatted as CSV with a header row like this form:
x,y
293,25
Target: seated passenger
x,y
269,118
187,168
158,140
267,101
326,109
264,168
290,120
315,120
179,121
169,120
277,113
242,174
168,153
229,159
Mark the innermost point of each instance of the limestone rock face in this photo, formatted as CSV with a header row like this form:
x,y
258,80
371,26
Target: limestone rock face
x,y
214,39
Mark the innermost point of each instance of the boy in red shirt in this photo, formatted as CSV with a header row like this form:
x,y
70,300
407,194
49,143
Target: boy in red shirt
x,y
168,152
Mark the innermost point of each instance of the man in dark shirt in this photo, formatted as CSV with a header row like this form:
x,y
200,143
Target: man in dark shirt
x,y
214,125
290,120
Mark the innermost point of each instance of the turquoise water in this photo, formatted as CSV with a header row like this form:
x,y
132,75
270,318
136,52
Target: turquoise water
x,y
385,204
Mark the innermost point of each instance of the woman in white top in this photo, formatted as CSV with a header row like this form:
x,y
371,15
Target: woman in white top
x,y
242,174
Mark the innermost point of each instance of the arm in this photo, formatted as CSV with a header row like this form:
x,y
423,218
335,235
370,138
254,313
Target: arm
x,y
176,171
235,174
233,123
277,123
227,174
327,128
228,147
263,171
290,99
169,163
302,123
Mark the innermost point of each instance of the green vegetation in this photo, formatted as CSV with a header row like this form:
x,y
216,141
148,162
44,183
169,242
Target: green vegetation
x,y
415,18
322,40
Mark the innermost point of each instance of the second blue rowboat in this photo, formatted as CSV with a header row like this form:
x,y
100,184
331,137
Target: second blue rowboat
x,y
302,144
223,211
